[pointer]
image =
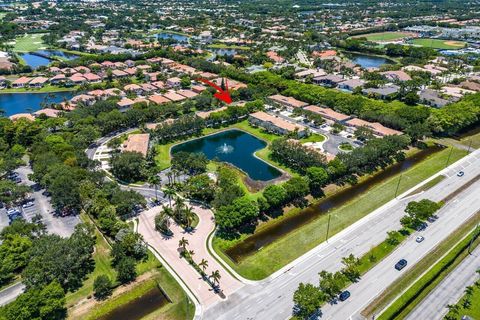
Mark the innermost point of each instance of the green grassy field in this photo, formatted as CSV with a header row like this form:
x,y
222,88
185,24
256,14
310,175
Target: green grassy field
x,y
296,243
474,310
439,44
384,36
29,42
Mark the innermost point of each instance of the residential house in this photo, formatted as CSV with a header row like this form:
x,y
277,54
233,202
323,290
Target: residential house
x,y
21,82
329,80
125,104
396,75
377,128
287,102
92,77
351,84
174,82
276,124
38,82
19,116
158,99
137,143
383,92
133,87
433,98
48,112
328,114
119,74
58,78
175,97
187,93
83,98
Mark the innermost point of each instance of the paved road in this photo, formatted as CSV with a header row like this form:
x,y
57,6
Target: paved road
x,y
9,294
272,298
449,291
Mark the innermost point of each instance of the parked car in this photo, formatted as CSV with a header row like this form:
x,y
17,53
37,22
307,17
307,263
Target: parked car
x,y
422,226
420,239
28,205
344,295
460,174
401,264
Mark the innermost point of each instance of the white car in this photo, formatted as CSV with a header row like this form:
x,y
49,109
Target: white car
x,y
420,239
28,205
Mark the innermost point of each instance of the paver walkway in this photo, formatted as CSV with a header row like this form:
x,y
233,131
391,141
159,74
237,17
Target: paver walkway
x,y
168,249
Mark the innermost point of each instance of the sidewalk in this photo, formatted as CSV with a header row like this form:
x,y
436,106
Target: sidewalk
x,y
168,249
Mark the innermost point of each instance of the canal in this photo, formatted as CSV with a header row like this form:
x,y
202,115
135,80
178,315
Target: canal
x,y
266,236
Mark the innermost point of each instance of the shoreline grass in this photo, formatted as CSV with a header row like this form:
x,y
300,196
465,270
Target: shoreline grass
x,y
294,244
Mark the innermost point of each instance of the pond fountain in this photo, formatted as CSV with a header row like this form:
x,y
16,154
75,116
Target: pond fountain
x,y
225,148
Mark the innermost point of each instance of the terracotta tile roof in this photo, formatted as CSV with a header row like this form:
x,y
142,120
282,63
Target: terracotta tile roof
x,y
206,114
137,143
377,127
187,93
18,116
158,99
21,80
276,121
292,102
49,112
174,96
328,113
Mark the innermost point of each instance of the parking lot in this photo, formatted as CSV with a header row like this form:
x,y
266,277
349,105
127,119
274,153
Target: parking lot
x,y
39,204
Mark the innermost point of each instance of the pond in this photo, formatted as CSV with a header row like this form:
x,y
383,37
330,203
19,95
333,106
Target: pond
x,y
267,236
44,57
13,103
138,308
174,36
368,61
35,61
57,53
235,147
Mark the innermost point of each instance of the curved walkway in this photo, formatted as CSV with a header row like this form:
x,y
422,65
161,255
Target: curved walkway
x,y
168,249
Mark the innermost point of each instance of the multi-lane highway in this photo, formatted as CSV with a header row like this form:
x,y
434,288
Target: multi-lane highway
x,y
272,298
450,290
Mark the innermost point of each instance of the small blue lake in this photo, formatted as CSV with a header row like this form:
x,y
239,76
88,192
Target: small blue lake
x,y
41,57
235,147
368,61
174,36
13,103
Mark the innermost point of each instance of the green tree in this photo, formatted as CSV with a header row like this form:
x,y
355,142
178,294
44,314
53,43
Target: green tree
x,y
241,211
126,271
128,166
317,179
308,299
351,268
331,284
276,195
102,287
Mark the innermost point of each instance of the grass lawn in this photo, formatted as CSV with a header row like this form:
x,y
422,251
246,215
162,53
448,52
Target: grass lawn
x,y
296,243
428,185
439,43
422,286
314,137
384,36
47,88
29,42
225,46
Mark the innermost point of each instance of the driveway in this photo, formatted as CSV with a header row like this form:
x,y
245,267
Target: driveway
x,y
168,249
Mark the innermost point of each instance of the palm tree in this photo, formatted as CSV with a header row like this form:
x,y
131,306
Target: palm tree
x,y
191,253
169,192
203,264
155,181
453,308
469,290
183,243
169,176
189,216
167,211
215,276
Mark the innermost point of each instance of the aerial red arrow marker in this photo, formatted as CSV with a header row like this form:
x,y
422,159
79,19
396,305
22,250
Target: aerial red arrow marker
x,y
222,95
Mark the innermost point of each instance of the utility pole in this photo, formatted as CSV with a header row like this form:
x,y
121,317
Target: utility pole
x,y
449,155
328,226
398,184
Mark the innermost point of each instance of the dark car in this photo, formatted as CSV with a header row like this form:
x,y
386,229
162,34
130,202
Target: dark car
x,y
460,174
401,264
344,295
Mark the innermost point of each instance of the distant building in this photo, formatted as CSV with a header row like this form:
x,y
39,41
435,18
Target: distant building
x,y
329,80
276,124
328,113
384,92
351,84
